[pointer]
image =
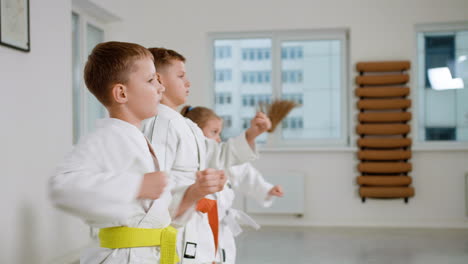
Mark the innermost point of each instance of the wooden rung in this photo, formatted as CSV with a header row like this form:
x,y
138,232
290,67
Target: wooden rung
x,y
383,129
386,192
391,91
383,104
383,66
384,154
384,167
388,79
384,117
386,143
384,180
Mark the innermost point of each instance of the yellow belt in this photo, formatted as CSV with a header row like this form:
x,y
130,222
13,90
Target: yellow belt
x,y
129,237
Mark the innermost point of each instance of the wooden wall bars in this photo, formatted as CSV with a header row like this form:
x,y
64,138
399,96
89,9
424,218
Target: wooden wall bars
x,y
383,128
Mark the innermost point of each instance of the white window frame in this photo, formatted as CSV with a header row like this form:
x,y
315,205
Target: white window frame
x,y
275,142
418,96
85,18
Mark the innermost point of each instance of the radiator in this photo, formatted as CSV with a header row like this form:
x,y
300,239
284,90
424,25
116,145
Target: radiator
x,y
293,201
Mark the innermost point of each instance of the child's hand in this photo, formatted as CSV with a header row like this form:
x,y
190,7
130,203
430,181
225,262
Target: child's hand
x,y
258,125
153,185
209,181
276,191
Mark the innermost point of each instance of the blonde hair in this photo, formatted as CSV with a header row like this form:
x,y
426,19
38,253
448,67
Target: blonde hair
x,y
199,115
163,57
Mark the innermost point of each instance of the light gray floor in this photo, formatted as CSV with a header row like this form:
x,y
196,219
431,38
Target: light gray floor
x,y
352,246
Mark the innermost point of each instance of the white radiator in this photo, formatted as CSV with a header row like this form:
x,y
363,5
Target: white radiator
x,y
293,201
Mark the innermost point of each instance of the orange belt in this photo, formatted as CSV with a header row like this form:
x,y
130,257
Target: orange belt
x,y
209,206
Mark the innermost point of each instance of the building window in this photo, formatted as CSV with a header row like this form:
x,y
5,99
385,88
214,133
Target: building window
x,y
254,77
442,75
255,54
291,52
227,121
292,76
222,52
296,97
245,123
223,75
310,69
293,123
223,98
251,100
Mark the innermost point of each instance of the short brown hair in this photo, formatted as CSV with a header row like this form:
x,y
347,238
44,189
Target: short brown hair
x,y
163,57
110,63
199,115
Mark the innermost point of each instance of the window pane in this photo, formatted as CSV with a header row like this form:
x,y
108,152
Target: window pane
x,y
440,52
249,68
312,77
443,94
94,108
440,133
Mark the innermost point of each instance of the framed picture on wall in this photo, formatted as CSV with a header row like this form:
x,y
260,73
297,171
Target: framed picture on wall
x,y
14,24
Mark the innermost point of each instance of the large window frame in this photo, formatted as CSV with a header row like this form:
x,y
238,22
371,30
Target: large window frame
x,y
81,95
420,143
275,141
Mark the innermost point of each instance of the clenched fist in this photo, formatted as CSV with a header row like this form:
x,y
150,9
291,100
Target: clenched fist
x,y
153,185
258,125
209,181
276,191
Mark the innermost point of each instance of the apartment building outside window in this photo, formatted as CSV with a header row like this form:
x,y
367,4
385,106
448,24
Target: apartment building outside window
x,y
309,67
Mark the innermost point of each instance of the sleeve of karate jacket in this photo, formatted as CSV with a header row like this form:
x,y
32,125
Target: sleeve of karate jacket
x,y
82,187
249,181
227,154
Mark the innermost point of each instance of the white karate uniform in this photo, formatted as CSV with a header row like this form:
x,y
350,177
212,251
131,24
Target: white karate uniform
x,y
247,180
183,150
99,182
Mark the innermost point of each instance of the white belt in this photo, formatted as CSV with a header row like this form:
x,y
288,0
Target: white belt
x,y
235,218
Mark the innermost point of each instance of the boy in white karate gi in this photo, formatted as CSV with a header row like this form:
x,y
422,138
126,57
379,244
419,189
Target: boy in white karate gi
x,y
242,178
112,179
184,149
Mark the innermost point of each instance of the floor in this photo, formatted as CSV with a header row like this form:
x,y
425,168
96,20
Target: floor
x,y
353,246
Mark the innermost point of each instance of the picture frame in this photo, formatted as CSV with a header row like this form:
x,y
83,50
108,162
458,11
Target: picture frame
x,y
15,24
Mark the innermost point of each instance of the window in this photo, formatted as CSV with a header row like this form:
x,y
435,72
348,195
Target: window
x,y
442,71
292,53
308,67
253,77
223,98
292,123
227,121
245,123
255,54
86,34
223,52
292,76
293,97
252,100
223,75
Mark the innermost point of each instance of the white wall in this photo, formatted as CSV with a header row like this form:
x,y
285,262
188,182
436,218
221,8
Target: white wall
x,y
36,132
379,30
